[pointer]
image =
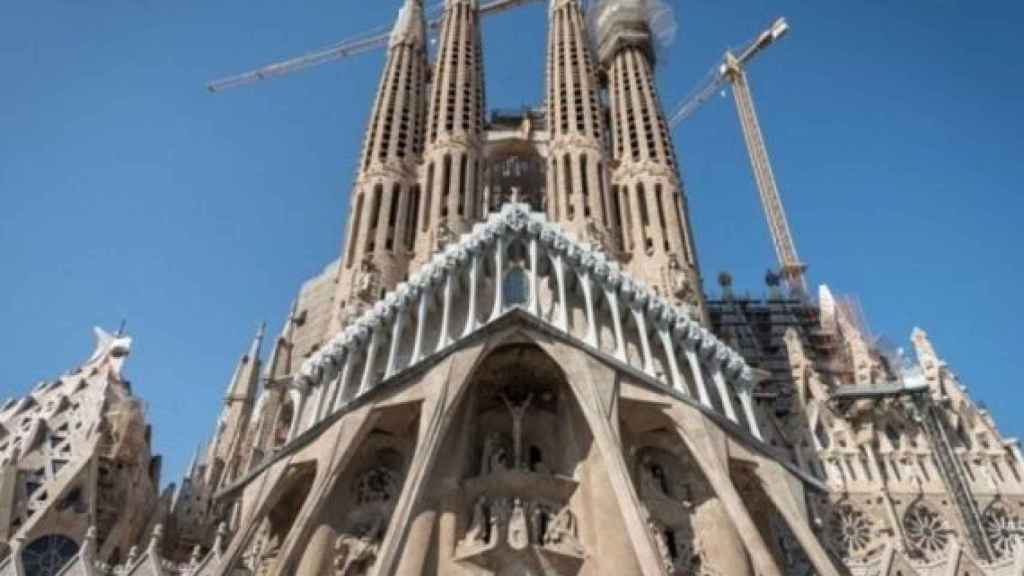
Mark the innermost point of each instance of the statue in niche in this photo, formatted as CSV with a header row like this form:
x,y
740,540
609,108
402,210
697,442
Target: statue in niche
x,y
367,279
518,535
563,532
495,454
355,553
541,518
376,486
444,236
679,281
479,532
661,541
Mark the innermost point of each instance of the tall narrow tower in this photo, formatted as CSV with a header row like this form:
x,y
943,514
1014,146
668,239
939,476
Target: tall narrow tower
x,y
451,163
227,447
647,194
385,198
577,167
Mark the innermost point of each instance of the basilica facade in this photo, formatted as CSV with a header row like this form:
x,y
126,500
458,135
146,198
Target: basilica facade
x,y
514,368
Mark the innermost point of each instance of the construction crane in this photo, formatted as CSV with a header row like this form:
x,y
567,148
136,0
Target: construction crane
x,y
732,70
367,42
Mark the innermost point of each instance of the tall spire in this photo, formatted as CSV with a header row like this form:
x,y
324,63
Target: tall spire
x,y
577,166
384,203
245,380
647,193
455,130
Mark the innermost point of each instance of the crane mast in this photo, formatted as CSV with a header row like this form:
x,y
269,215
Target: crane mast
x,y
791,268
732,71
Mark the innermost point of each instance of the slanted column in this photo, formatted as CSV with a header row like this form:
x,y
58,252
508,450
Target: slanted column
x,y
299,403
673,363
563,304
371,359
421,325
745,392
340,396
613,304
397,327
698,375
499,278
645,343
474,280
723,392
534,278
588,296
319,401
444,339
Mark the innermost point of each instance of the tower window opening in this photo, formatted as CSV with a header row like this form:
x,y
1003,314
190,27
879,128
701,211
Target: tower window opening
x,y
427,203
412,216
645,221
446,185
567,167
617,212
463,176
371,232
353,238
474,208
683,223
554,189
661,217
627,230
396,194
585,184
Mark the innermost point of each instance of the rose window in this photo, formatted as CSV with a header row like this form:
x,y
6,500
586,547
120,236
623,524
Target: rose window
x,y
1005,532
46,556
850,531
927,532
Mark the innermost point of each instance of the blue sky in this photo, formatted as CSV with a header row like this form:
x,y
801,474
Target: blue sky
x,y
130,192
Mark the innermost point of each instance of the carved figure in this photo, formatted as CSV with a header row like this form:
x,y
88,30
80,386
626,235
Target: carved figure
x,y
540,519
595,234
445,236
518,535
495,454
368,279
679,280
563,531
356,553
480,529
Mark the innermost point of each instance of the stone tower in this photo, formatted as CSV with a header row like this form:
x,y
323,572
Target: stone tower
x,y
386,198
647,193
451,164
577,160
